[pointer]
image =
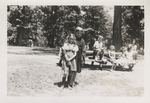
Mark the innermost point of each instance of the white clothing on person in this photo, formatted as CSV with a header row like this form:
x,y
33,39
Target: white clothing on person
x,y
98,45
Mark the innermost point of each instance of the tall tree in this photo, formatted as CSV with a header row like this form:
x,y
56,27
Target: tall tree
x,y
59,19
96,22
133,24
20,18
117,38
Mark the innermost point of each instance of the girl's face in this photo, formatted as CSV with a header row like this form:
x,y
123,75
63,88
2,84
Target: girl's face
x,y
123,51
71,40
100,39
112,48
79,34
133,41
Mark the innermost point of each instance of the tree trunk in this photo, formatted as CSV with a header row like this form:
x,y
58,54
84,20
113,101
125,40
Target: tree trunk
x,y
117,38
19,35
53,21
49,40
52,39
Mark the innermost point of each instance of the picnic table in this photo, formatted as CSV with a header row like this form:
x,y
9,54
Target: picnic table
x,y
103,61
89,55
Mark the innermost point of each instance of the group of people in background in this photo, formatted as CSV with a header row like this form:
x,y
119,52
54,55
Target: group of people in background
x,y
72,56
126,59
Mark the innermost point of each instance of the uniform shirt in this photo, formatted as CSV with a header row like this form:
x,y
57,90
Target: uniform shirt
x,y
98,45
81,44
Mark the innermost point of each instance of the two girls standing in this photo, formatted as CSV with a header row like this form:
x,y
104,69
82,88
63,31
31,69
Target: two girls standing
x,y
73,57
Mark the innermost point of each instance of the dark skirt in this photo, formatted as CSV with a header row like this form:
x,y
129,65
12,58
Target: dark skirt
x,y
79,61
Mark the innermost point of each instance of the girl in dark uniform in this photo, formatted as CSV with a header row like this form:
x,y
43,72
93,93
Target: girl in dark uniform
x,y
80,57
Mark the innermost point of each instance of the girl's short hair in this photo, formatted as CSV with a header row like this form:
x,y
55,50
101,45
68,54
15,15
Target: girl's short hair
x,y
112,47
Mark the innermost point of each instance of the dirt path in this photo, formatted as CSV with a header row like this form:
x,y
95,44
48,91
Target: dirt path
x,y
33,72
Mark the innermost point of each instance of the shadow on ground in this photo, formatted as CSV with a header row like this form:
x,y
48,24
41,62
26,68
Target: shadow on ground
x,y
59,84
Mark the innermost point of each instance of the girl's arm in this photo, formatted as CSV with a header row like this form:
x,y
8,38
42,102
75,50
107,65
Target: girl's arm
x,y
109,54
73,56
64,51
75,52
101,46
114,55
83,45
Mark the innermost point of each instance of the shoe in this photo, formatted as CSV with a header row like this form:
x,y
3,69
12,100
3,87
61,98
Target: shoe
x,y
76,83
59,64
71,86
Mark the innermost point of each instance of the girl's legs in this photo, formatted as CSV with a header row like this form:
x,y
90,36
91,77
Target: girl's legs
x,y
94,53
72,78
60,61
112,67
65,80
65,75
97,54
101,54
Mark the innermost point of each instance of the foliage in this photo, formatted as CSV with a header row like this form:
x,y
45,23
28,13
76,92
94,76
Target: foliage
x,y
133,24
49,25
96,18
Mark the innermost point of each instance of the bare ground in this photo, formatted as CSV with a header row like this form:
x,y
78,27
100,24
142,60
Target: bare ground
x,y
33,72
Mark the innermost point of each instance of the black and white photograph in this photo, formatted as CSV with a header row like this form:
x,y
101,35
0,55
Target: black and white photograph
x,y
58,50
74,52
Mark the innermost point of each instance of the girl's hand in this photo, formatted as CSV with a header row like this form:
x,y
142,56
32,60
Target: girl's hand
x,y
68,60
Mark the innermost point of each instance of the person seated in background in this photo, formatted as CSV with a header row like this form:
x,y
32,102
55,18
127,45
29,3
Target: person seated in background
x,y
98,49
134,49
126,59
92,41
112,57
121,61
129,55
